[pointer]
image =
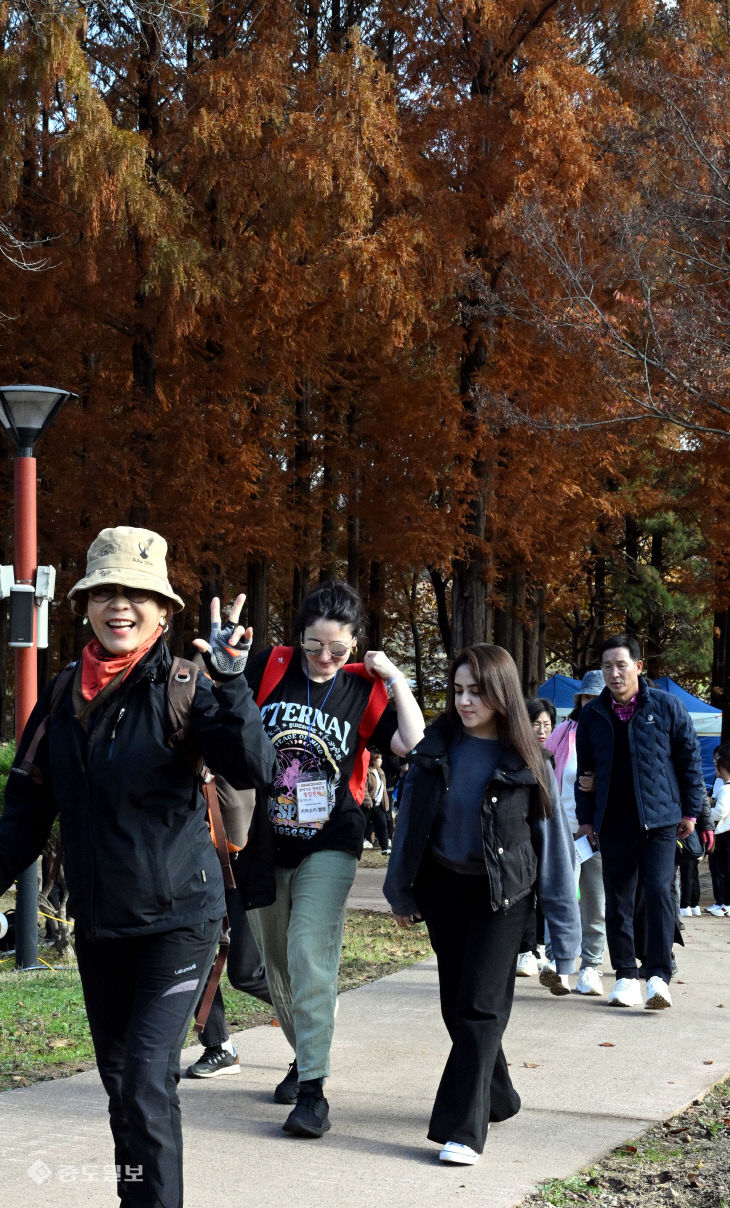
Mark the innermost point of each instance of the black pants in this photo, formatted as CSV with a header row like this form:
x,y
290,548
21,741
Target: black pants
x,y
689,880
476,949
245,970
721,878
376,821
534,931
629,855
140,993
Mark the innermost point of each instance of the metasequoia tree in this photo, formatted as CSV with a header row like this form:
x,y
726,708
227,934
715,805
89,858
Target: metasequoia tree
x,y
296,271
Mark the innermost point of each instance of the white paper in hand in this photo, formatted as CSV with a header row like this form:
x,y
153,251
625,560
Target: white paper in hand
x,y
583,850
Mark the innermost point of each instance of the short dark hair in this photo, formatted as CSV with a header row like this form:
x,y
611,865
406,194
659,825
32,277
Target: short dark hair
x,y
540,704
333,600
722,756
623,641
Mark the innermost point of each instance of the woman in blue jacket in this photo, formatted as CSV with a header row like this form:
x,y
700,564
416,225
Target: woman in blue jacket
x,y
479,828
145,885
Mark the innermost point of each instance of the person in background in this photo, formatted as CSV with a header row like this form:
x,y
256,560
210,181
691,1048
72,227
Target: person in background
x,y
717,905
588,873
641,745
531,958
145,883
398,787
687,891
376,801
720,815
479,827
543,717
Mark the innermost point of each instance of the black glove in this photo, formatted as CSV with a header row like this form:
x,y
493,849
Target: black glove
x,y
223,660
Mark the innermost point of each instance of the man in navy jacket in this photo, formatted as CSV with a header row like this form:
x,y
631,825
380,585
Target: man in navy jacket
x,y
641,749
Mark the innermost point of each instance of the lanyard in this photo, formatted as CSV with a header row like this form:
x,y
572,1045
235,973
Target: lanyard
x,y
321,707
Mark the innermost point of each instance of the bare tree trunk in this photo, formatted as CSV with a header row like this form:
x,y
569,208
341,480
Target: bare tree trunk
x,y
375,606
417,644
257,602
301,495
442,610
721,668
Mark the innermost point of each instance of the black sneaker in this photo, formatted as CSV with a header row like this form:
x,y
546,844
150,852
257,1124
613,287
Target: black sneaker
x,y
286,1091
310,1117
215,1060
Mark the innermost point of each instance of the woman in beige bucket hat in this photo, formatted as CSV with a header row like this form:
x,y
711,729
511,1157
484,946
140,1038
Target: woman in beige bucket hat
x,y
145,884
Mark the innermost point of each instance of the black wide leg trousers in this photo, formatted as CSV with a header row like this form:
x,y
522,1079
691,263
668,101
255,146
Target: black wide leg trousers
x,y
476,948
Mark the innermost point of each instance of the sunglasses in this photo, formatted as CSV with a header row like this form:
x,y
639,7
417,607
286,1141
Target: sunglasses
x,y
110,591
338,650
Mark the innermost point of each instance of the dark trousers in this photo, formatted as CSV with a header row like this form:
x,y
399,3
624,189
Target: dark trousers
x,y
629,855
140,993
721,878
476,949
689,880
377,821
534,932
245,970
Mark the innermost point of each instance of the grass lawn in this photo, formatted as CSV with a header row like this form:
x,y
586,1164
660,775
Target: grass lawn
x,y
43,1029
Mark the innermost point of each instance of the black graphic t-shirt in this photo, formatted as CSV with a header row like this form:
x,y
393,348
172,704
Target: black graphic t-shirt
x,y
316,739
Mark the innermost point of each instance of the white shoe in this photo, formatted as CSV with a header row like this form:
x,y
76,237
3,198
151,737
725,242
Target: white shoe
x,y
717,911
696,911
366,845
527,965
590,981
685,912
458,1155
657,994
626,993
556,983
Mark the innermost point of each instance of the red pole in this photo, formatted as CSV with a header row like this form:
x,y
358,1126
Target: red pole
x,y
26,694
26,555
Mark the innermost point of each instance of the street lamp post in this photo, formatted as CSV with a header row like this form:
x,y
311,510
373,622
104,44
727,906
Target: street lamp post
x,y
25,413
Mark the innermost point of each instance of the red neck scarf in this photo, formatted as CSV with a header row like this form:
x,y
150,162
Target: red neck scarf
x,y
99,667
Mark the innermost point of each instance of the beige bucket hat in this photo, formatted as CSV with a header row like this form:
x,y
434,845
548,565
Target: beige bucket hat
x,y
133,557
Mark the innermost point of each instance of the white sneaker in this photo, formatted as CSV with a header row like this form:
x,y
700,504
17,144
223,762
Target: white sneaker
x,y
717,911
527,965
626,993
685,912
458,1155
590,981
696,911
556,983
367,845
657,994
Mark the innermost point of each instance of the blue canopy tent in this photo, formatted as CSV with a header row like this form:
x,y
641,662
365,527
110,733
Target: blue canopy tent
x,y
707,721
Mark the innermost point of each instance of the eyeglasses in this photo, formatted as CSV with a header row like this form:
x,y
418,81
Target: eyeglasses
x,y
542,725
338,650
102,595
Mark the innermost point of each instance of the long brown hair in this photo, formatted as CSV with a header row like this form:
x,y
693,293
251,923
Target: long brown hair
x,y
496,677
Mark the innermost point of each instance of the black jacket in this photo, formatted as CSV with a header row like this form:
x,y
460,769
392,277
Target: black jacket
x,y
137,851
521,850
665,759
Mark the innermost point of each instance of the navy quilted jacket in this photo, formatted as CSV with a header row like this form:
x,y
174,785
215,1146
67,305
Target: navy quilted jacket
x,y
665,755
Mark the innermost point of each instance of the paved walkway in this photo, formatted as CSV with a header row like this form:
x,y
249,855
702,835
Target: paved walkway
x,y
590,1077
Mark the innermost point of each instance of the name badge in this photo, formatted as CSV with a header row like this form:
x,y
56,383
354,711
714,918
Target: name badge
x,y
312,805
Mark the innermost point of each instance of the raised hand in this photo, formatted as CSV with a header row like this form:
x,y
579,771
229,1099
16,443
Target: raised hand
x,y
227,648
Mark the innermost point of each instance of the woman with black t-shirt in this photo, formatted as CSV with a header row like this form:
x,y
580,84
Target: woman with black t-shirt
x,y
319,712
